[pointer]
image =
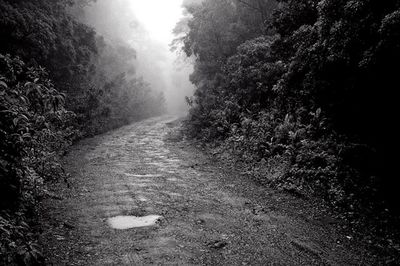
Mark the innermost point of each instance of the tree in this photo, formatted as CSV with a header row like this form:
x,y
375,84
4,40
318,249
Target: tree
x,y
314,85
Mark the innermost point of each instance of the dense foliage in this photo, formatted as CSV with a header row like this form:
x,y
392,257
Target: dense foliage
x,y
302,91
34,128
43,32
59,81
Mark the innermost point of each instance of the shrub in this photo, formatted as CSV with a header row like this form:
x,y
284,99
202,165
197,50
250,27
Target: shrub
x,y
34,129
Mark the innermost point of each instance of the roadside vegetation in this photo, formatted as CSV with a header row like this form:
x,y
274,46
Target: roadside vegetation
x,y
59,81
302,94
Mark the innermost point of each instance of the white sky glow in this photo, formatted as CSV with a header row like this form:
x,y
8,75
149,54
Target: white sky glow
x,y
147,25
156,63
158,17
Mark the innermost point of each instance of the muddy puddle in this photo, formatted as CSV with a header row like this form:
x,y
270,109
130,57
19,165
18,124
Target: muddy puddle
x,y
144,175
128,222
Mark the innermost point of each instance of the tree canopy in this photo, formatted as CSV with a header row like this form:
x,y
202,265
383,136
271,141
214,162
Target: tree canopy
x,y
310,84
59,81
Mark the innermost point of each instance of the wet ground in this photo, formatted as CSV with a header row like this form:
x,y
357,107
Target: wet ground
x,y
138,197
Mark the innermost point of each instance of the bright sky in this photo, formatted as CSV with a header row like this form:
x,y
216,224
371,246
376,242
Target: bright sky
x,y
159,17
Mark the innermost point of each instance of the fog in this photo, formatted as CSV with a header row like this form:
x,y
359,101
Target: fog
x,y
147,26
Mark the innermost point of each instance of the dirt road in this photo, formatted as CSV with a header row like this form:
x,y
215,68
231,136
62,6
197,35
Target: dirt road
x,y
209,215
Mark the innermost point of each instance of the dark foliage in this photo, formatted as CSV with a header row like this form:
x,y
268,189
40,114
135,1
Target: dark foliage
x,y
42,32
34,129
59,81
309,103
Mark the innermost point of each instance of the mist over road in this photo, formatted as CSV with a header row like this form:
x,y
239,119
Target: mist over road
x,y
147,28
209,215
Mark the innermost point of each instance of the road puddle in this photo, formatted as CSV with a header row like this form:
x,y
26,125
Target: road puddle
x,y
143,176
128,222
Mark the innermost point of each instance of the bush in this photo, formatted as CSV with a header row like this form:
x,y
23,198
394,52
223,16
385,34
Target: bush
x,y
34,129
314,94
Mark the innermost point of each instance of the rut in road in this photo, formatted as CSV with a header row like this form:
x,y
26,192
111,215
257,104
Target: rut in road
x,y
209,215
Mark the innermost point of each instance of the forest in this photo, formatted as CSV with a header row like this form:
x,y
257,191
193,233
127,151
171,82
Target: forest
x,y
299,93
60,81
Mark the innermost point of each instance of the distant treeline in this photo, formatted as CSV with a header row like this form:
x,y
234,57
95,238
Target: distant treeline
x,y
303,92
59,81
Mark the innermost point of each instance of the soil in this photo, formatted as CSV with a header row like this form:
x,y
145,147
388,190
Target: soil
x,y
210,215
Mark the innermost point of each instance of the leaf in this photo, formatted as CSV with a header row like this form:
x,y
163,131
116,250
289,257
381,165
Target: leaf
x,y
318,113
24,117
24,99
3,84
26,135
15,121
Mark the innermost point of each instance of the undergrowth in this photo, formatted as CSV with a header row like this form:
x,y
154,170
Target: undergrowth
x,y
35,129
